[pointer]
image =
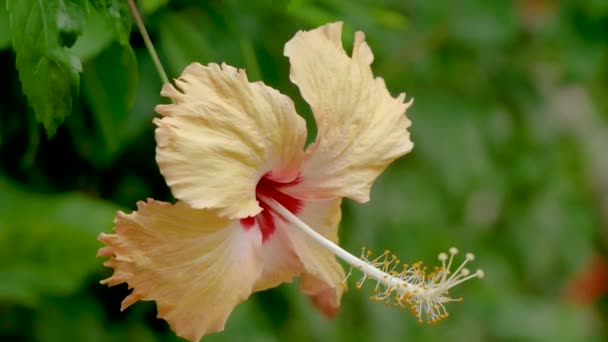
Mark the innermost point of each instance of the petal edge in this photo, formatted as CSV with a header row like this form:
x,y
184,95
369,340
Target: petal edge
x,y
223,134
361,127
196,265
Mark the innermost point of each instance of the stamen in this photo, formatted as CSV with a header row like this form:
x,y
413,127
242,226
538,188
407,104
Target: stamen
x,y
401,285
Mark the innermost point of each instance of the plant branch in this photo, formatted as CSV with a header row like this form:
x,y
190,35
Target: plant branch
x,y
148,42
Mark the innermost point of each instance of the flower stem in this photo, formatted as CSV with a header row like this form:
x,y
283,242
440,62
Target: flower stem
x,y
148,42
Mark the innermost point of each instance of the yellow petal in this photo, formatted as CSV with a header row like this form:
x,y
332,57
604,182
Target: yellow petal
x,y
361,127
196,265
323,277
222,135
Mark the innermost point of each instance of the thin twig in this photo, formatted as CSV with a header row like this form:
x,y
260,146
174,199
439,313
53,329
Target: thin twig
x,y
149,45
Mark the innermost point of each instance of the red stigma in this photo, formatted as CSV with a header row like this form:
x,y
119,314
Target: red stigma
x,y
266,219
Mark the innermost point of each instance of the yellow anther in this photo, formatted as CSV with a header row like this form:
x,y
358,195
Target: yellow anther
x,y
417,287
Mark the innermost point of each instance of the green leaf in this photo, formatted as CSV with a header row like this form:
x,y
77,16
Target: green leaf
x,y
49,73
94,39
150,6
309,13
71,16
52,87
5,31
118,17
52,241
182,42
109,83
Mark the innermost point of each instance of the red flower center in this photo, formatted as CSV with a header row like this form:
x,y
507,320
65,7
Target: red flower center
x,y
266,219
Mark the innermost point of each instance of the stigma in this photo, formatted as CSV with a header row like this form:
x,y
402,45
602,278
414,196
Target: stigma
x,y
266,219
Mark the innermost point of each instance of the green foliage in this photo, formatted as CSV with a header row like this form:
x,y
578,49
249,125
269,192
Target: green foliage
x,y
42,34
149,6
117,16
95,37
52,242
183,42
5,31
109,83
42,57
509,126
70,18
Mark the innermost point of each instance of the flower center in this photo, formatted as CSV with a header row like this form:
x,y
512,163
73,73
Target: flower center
x,y
266,219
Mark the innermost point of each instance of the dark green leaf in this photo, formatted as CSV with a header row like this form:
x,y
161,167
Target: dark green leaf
x,y
182,43
43,63
118,17
57,72
109,84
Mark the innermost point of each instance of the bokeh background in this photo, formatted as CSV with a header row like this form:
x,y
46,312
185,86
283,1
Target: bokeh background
x,y
510,127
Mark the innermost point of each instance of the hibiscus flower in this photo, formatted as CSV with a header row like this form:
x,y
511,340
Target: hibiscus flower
x,y
256,207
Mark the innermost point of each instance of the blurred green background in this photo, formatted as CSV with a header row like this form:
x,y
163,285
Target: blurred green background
x,y
510,125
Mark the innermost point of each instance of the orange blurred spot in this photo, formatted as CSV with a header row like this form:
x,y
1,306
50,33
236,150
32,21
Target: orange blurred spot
x,y
591,284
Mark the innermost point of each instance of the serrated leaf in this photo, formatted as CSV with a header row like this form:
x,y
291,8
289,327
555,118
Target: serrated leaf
x,y
71,17
51,87
109,84
49,74
52,241
118,17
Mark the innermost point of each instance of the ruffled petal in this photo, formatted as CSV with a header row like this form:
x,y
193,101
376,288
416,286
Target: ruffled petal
x,y
196,265
361,127
323,277
222,135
